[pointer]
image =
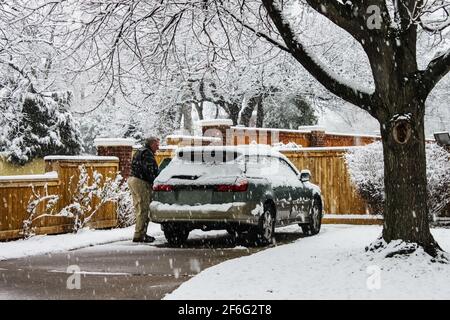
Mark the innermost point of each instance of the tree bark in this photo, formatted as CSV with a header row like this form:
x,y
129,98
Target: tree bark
x,y
260,115
406,212
231,109
199,108
186,110
247,111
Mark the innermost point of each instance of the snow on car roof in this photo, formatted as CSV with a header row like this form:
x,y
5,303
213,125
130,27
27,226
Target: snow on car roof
x,y
251,150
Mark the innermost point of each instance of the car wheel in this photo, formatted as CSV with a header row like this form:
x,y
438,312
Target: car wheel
x,y
313,227
175,235
266,228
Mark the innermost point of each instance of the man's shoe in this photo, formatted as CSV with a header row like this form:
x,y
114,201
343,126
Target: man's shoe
x,y
145,239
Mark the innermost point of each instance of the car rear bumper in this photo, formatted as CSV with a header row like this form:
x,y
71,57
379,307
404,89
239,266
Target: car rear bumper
x,y
237,212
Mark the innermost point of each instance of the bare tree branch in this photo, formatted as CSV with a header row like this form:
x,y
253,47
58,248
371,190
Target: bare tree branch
x,y
259,33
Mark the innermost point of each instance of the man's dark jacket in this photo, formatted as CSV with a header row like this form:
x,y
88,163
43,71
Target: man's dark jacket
x,y
144,165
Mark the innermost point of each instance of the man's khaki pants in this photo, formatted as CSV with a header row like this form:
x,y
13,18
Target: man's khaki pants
x,y
141,192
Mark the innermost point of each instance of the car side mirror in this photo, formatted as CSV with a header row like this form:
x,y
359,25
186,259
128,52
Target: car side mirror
x,y
305,175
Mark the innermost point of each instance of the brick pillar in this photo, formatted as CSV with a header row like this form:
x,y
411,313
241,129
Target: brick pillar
x,y
117,147
217,128
317,138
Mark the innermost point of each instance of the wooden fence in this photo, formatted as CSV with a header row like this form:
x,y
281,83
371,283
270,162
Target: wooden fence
x,y
342,203
329,171
36,166
61,179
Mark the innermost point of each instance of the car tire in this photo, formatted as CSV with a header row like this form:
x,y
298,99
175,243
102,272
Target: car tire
x,y
266,228
313,227
175,235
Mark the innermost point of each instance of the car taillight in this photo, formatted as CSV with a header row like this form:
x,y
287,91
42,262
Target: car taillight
x,y
240,186
162,187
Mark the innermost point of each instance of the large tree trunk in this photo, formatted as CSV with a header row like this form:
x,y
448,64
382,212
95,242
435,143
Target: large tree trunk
x,y
199,107
232,110
186,110
260,115
247,111
406,212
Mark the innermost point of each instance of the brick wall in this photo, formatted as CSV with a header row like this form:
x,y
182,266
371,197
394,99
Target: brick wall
x,y
121,148
124,153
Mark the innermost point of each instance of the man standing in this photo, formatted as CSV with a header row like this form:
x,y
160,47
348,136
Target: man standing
x,y
144,170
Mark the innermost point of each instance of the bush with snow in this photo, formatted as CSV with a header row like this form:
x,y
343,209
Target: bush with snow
x,y
366,170
37,200
288,112
87,198
108,189
125,210
35,125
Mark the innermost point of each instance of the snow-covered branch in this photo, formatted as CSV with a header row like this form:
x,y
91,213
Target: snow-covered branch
x,y
322,73
350,15
436,70
36,201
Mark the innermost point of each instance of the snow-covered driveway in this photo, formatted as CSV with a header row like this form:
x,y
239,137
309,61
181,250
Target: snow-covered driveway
x,y
109,265
331,265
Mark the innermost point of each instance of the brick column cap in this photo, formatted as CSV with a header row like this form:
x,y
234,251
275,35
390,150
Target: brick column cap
x,y
311,128
179,140
114,142
215,123
80,158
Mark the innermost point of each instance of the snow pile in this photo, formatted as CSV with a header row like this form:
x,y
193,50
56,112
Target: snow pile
x,y
331,265
48,244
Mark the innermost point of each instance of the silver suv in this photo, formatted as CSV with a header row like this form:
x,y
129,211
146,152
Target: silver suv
x,y
243,189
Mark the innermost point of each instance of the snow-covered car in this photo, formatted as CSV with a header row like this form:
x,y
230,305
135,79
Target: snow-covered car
x,y
243,189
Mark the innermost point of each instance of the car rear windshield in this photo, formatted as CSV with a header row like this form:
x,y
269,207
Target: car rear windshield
x,y
208,156
201,167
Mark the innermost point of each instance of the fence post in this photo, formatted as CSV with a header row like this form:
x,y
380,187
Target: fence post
x,y
119,147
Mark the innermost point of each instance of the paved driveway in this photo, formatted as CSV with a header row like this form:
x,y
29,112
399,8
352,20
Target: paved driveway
x,y
120,270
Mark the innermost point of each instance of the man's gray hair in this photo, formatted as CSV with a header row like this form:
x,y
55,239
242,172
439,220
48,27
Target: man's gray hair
x,y
150,140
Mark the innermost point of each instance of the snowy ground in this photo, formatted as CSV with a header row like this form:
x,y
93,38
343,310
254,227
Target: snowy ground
x,y
331,265
84,238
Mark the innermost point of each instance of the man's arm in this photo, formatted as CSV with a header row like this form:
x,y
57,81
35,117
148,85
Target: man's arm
x,y
151,166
